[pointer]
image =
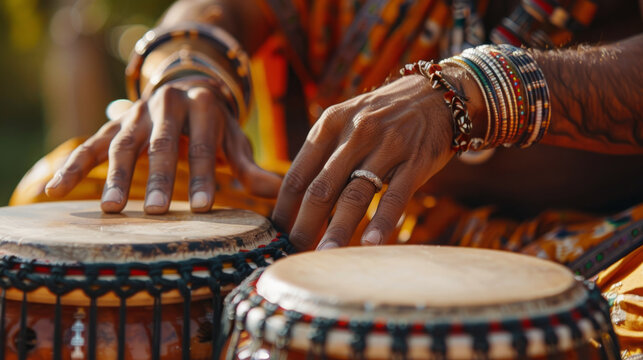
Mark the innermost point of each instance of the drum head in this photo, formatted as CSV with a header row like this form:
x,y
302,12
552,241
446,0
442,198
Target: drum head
x,y
414,282
79,232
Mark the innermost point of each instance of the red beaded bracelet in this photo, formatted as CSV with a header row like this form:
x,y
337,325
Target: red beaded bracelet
x,y
462,124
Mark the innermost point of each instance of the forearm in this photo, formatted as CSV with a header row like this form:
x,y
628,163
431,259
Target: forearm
x,y
596,97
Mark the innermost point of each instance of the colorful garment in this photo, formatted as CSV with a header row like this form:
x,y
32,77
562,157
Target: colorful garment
x,y
330,50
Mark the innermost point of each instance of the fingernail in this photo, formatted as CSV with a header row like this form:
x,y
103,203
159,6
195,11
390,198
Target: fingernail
x,y
200,199
372,237
54,182
327,245
155,198
114,195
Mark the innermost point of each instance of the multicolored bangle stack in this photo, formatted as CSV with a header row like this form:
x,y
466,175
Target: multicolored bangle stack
x,y
462,125
233,86
515,93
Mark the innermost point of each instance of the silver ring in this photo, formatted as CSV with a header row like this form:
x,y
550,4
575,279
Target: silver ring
x,y
368,176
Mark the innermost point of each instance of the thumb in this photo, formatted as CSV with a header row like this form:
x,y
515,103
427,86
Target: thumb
x,y
257,181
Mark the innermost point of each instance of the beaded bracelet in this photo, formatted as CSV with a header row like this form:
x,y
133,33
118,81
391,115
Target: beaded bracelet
x,y
462,124
507,94
515,93
494,100
498,93
517,83
538,86
219,39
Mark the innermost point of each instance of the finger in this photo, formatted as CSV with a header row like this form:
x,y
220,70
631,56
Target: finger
x,y
123,152
238,151
206,122
320,143
321,195
351,207
390,207
168,114
82,160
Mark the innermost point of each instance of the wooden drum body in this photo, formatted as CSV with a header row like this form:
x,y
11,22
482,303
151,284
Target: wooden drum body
x,y
417,302
80,284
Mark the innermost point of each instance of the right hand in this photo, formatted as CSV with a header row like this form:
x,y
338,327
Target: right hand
x,y
156,123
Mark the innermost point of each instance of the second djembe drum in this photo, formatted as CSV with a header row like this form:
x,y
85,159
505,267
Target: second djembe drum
x,y
80,284
417,302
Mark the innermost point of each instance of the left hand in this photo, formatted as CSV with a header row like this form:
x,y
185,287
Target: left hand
x,y
401,132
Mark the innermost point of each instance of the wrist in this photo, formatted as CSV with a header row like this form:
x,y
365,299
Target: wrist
x,y
164,54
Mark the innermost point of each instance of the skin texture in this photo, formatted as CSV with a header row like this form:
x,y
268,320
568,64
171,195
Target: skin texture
x,y
187,106
401,132
580,85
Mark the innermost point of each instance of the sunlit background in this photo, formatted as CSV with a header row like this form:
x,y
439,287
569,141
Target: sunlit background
x,y
61,63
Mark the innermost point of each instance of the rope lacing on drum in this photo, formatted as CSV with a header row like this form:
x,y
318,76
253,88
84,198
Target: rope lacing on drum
x,y
358,343
479,334
320,328
399,333
122,279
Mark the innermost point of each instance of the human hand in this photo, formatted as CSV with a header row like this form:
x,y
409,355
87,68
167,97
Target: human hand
x,y
401,132
188,106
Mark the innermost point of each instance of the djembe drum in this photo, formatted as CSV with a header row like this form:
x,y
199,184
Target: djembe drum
x,y
80,284
417,302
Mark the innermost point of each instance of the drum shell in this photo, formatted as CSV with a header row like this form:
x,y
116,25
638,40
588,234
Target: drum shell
x,y
138,330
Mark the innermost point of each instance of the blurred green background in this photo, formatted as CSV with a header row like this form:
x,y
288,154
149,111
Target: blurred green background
x,y
61,63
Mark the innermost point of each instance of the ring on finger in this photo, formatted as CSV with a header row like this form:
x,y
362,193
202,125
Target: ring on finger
x,y
368,176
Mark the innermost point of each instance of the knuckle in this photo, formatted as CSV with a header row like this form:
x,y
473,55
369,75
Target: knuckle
x,y
320,192
355,195
159,181
83,150
294,182
364,125
162,144
123,143
330,112
328,123
339,233
117,175
201,151
395,198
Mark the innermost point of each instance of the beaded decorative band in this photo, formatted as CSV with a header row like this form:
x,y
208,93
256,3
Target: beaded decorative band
x,y
560,330
462,125
220,40
515,93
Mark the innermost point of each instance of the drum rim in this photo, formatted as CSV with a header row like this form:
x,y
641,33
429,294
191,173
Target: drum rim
x,y
63,250
244,299
16,274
